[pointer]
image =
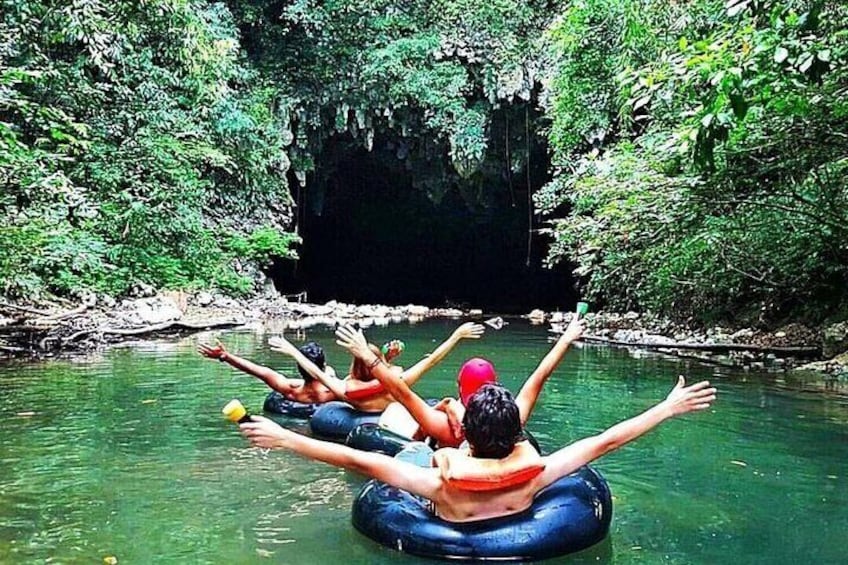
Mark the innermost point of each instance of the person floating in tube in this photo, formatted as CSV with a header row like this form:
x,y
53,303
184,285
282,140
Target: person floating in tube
x,y
306,390
442,423
360,388
499,474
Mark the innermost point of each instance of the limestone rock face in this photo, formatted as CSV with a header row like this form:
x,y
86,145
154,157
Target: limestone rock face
x,y
835,339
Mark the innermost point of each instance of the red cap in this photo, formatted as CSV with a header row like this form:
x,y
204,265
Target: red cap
x,y
474,374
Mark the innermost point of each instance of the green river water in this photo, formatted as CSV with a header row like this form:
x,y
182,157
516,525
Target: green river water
x,y
125,454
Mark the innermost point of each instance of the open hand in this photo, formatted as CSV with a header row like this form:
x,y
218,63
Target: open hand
x,y
354,341
683,399
469,330
210,352
264,433
282,345
575,329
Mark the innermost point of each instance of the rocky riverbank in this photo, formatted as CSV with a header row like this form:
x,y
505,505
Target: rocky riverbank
x,y
56,327
52,328
791,346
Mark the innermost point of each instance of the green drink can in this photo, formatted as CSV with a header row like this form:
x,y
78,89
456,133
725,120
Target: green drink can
x,y
582,308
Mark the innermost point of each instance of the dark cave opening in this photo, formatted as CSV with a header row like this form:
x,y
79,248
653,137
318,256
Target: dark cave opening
x,y
371,237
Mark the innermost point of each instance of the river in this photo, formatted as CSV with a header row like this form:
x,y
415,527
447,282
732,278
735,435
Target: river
x,y
125,454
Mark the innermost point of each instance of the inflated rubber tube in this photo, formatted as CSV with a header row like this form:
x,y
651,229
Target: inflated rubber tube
x,y
279,404
335,420
533,441
371,437
571,514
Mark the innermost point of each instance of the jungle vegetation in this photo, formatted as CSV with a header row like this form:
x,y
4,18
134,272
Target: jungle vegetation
x,y
697,148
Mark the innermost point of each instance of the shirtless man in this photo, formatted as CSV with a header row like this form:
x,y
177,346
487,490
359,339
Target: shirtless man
x,y
359,388
443,422
307,390
493,428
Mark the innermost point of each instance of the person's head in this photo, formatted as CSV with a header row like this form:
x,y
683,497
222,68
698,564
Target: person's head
x,y
492,422
473,374
314,353
359,369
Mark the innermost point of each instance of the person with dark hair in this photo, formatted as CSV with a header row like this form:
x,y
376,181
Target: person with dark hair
x,y
306,390
360,389
499,474
442,423
492,422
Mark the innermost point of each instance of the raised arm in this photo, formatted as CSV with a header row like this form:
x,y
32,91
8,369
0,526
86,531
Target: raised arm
x,y
435,423
270,377
468,330
529,393
420,481
329,380
681,399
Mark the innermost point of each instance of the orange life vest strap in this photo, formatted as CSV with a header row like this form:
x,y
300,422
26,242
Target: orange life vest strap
x,y
464,472
360,390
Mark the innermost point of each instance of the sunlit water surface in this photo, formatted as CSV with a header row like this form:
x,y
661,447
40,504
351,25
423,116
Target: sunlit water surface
x,y
126,455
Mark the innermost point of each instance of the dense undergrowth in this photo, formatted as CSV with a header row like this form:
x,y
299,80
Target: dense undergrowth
x,y
137,145
720,185
698,147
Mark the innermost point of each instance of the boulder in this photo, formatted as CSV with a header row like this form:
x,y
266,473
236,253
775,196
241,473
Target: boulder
x,y
155,310
142,290
226,302
835,339
323,311
204,298
629,336
742,336
449,312
417,311
178,297
537,316
366,311
656,339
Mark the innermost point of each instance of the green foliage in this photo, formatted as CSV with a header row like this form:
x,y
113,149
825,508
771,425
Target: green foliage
x,y
698,146
263,245
428,74
731,193
133,138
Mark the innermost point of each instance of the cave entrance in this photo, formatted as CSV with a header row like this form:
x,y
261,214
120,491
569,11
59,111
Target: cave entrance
x,y
370,236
